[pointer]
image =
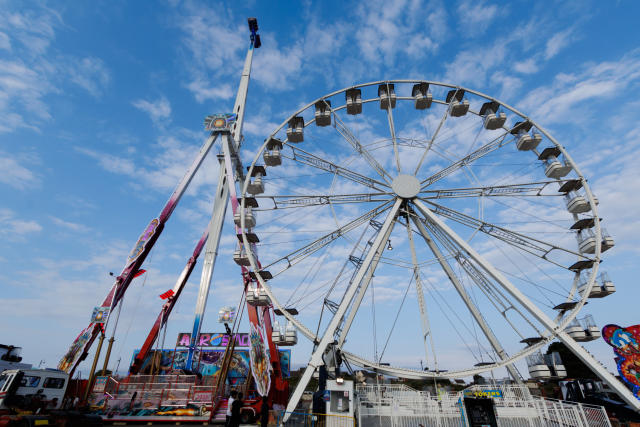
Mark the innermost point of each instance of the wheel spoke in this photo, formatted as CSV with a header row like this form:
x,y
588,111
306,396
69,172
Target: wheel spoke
x,y
489,147
435,135
364,285
309,159
538,314
526,189
303,252
529,244
294,201
426,328
392,130
329,337
360,149
486,266
475,312
497,297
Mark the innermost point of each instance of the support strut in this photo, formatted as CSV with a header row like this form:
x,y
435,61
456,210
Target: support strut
x,y
538,314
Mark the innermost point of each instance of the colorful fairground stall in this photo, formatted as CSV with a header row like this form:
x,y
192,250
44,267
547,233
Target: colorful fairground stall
x,y
166,390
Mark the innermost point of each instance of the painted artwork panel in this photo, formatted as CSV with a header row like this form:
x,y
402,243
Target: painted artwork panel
x,y
626,346
260,363
209,363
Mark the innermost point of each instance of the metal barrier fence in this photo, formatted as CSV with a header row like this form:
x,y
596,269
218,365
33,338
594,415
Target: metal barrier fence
x,y
400,406
302,419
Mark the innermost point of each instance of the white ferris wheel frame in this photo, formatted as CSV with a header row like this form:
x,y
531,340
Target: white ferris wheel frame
x,y
554,329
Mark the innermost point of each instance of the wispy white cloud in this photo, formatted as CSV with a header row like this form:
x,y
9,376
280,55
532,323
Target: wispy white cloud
x,y
12,227
35,70
15,174
557,102
73,226
476,16
510,84
214,49
5,43
557,42
173,152
203,90
474,66
90,74
159,111
528,66
110,162
210,38
387,30
277,65
258,124
23,86
25,81
33,29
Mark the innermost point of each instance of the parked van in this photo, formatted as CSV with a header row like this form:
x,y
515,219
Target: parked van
x,y
22,388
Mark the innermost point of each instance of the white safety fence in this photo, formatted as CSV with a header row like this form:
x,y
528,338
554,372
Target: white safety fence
x,y
400,406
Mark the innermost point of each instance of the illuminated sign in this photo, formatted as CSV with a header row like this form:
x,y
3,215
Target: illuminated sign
x,y
227,315
216,339
220,121
483,393
99,314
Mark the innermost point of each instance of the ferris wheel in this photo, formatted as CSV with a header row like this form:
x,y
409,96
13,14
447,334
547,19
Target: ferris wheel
x,y
423,230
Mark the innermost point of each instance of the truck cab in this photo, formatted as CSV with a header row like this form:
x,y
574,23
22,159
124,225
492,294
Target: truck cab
x,y
25,388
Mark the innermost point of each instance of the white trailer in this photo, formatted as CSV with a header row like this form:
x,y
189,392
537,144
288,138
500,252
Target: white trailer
x,y
19,387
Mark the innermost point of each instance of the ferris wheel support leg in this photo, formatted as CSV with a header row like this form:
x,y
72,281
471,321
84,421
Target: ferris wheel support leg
x,y
424,317
328,337
493,340
363,288
538,314
221,201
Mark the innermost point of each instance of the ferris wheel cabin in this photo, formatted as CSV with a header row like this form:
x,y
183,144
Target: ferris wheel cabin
x,y
272,151
284,338
526,140
459,106
584,329
554,168
353,98
576,203
545,365
387,95
295,131
323,112
249,215
256,186
602,286
492,118
422,95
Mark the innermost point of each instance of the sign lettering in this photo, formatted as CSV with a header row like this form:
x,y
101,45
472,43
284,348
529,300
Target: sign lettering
x,y
212,339
483,393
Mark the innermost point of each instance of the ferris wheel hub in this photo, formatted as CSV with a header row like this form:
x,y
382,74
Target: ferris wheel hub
x,y
406,186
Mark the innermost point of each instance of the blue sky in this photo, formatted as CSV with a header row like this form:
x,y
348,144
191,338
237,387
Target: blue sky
x,y
102,106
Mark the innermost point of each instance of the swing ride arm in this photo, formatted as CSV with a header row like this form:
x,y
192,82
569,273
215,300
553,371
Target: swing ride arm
x,y
80,347
167,307
229,165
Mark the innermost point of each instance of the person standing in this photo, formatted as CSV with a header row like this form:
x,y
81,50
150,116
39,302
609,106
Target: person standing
x,y
264,412
132,401
232,397
235,410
